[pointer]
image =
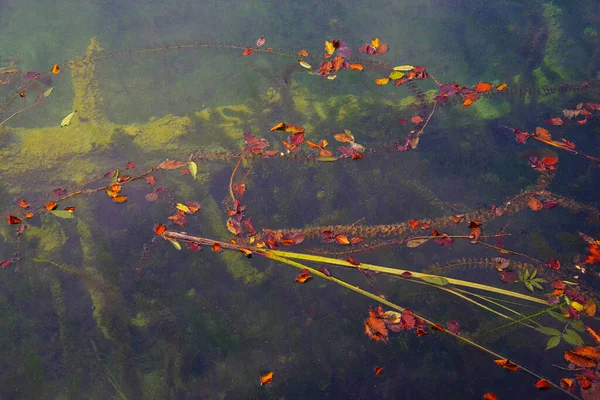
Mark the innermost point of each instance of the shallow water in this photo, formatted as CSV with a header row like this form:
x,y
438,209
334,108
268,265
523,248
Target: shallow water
x,y
98,306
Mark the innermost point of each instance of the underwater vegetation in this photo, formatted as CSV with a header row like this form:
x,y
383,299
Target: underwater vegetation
x,y
441,231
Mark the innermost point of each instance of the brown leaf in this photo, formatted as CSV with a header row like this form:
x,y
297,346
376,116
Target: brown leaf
x,y
171,164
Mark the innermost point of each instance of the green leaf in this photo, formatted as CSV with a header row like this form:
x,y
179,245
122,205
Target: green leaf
x,y
548,331
416,242
521,276
175,244
577,325
572,338
526,275
533,274
552,342
528,286
63,213
436,280
537,285
558,317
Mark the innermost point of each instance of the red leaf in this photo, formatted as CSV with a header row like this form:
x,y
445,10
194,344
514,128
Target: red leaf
x,y
378,370
6,263
543,384
130,165
12,220
247,52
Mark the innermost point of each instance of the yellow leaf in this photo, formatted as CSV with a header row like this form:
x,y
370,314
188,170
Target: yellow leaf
x,y
304,64
396,75
193,167
589,308
577,306
175,244
67,120
415,242
331,77
404,68
375,43
382,81
329,47
183,207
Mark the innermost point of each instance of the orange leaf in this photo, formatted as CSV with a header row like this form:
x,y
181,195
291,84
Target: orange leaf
x,y
160,229
543,384
337,63
555,121
356,240
594,254
378,370
28,214
303,53
247,52
583,356
279,127
151,180
589,308
356,67
508,365
501,87
12,220
325,153
413,223
534,204
592,332
550,160
375,43
342,137
490,396
304,276
51,205
120,199
438,327
293,129
566,383
55,69
468,102
342,239
266,379
416,119
23,204
543,133
375,328
312,145
382,81
216,247
171,164
483,87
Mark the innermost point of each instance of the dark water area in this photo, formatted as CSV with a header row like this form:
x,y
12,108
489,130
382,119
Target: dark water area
x,y
95,304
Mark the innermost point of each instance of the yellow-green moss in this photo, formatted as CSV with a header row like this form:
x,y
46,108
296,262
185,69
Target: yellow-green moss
x,y
159,134
155,386
556,42
487,109
229,120
140,320
50,234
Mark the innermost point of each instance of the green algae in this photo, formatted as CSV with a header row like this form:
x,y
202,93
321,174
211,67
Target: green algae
x,y
50,234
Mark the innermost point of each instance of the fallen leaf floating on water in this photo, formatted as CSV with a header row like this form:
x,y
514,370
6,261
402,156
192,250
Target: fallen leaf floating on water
x,y
593,333
193,167
119,199
55,69
583,356
12,220
543,384
589,308
216,247
490,396
382,81
304,276
51,205
303,53
483,87
566,383
502,87
6,263
130,165
584,382
260,41
160,229
29,214
66,121
555,121
266,379
48,91
474,228
534,204
304,64
508,365
454,327
378,370
375,327
247,52
356,67
171,164
593,256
